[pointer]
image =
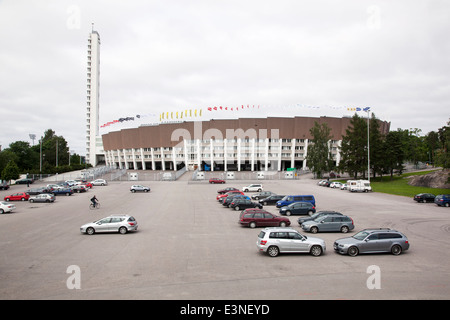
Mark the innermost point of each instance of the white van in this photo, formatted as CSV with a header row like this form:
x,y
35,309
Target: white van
x,y
359,185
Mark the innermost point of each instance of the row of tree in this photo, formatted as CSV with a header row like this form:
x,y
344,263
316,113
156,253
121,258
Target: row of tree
x,y
387,153
50,155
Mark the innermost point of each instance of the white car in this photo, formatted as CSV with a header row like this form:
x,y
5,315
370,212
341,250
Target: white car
x,y
6,207
99,182
71,183
335,185
253,187
137,187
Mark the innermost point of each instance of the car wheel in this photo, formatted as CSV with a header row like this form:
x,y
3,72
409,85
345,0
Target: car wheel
x,y
288,213
133,191
246,190
282,224
265,203
67,194
31,200
310,212
236,208
316,251
353,251
23,199
447,204
344,229
90,230
396,250
256,198
314,230
259,190
252,224
2,211
7,199
273,251
123,230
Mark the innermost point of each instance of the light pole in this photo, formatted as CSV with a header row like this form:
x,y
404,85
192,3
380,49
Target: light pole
x,y
367,109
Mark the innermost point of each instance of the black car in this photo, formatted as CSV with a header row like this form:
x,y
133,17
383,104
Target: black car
x,y
4,186
317,215
240,204
424,197
271,200
262,195
24,181
230,199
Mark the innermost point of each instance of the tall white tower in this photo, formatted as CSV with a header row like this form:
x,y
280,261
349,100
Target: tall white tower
x,y
94,145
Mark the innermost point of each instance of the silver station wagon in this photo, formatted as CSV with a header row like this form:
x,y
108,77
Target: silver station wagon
x,y
113,223
287,240
373,241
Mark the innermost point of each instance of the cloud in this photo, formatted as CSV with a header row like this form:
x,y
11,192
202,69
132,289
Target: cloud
x,y
169,55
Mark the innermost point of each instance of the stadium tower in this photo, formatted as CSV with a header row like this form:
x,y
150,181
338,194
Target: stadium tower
x,y
94,145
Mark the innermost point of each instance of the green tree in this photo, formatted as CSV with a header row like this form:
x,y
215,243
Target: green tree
x,y
393,152
443,154
319,158
11,171
354,148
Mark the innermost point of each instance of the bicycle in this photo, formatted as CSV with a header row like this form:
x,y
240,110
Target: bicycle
x,y
96,206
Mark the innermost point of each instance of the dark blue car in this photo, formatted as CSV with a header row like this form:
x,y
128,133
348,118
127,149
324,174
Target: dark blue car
x,y
442,200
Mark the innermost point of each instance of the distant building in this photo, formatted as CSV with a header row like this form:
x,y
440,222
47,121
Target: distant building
x,y
94,145
254,144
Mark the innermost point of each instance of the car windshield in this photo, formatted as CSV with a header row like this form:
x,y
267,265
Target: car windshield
x,y
360,235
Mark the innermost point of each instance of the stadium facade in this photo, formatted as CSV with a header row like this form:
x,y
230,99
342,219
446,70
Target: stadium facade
x,y
255,144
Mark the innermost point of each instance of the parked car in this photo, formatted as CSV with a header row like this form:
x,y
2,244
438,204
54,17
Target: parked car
x,y
287,200
113,223
4,185
216,180
329,223
335,184
24,181
87,185
298,208
53,186
137,187
240,204
317,215
261,218
78,188
227,201
43,197
99,182
271,200
253,188
6,207
225,190
262,195
18,196
72,183
373,241
344,186
442,200
280,240
62,191
35,191
424,197
221,197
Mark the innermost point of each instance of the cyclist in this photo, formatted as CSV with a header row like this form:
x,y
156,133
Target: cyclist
x,y
94,201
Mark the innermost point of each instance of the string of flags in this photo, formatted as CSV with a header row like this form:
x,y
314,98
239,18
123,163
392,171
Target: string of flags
x,y
197,113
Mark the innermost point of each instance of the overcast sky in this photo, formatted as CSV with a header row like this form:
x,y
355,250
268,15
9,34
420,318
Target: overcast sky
x,y
289,57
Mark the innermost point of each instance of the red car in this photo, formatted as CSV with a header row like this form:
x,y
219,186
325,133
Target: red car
x,y
261,218
23,196
232,192
216,180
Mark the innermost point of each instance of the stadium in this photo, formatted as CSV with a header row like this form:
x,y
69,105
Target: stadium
x,y
244,144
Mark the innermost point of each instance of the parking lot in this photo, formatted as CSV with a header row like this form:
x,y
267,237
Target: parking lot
x,y
188,246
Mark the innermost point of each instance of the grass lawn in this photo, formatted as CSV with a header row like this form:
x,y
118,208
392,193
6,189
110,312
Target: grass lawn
x,y
399,185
